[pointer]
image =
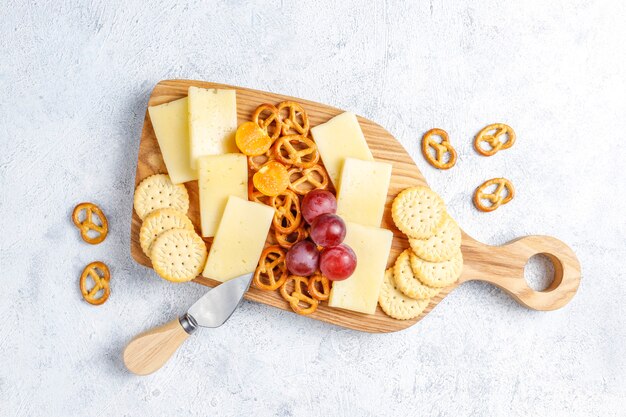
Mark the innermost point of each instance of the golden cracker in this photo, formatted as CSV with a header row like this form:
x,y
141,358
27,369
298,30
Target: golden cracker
x,y
157,192
407,282
397,305
442,245
178,255
418,212
160,221
437,274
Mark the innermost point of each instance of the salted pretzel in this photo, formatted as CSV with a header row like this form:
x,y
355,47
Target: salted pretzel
x,y
88,224
267,118
305,180
101,283
271,272
257,196
296,150
287,216
493,139
321,281
503,193
271,238
294,119
256,162
298,294
287,240
441,149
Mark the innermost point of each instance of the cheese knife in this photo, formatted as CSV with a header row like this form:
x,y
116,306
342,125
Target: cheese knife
x,y
149,351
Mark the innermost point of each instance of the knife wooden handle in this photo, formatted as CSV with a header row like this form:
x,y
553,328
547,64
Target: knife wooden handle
x,y
149,351
503,266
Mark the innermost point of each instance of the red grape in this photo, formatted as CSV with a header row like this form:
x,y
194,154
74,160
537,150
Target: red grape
x,y
318,202
338,263
303,258
328,230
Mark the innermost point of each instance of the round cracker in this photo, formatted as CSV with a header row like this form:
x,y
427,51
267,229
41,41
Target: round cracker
x,y
418,212
442,245
407,282
397,305
157,192
159,221
437,274
178,255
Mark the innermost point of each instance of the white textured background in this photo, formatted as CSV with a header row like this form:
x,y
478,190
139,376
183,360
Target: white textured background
x,y
74,82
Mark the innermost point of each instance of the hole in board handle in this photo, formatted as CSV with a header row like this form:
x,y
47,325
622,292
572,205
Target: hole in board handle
x,y
539,272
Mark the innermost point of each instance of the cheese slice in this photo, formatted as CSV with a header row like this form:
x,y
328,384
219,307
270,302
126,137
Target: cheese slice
x,y
212,122
220,176
360,291
239,239
362,191
171,127
340,138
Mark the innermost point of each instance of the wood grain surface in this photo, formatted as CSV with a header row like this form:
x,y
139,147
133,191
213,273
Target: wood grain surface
x,y
502,266
150,350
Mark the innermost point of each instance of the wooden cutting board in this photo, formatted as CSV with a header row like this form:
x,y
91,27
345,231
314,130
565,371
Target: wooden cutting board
x,y
502,266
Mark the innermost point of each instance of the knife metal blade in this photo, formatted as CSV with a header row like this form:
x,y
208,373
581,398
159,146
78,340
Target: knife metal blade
x,y
218,304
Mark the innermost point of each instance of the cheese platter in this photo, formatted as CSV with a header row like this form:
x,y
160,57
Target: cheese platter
x,y
502,266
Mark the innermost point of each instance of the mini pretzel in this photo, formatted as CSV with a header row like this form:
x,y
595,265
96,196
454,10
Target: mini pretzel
x,y
267,118
287,240
493,139
303,181
288,216
257,196
441,149
324,282
300,286
294,119
271,272
296,150
88,224
101,282
256,162
497,197
271,239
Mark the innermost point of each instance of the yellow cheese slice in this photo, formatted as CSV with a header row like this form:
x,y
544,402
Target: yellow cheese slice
x,y
360,291
239,239
212,122
340,138
171,127
220,176
362,191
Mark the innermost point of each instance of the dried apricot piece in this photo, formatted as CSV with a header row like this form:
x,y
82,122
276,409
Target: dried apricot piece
x,y
271,179
252,140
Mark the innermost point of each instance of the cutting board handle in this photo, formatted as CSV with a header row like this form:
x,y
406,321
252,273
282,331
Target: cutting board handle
x,y
503,266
